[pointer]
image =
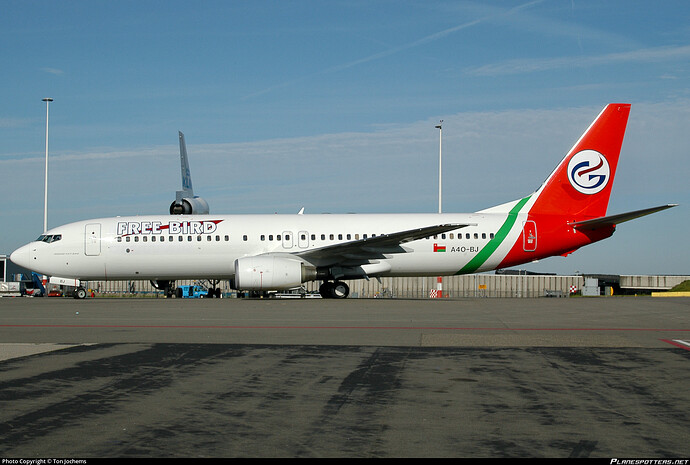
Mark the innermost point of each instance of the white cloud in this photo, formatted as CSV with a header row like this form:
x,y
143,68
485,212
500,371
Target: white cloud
x,y
522,66
54,71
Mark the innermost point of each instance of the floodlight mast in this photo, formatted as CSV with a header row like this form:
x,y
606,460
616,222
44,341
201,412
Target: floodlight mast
x,y
439,279
440,165
45,199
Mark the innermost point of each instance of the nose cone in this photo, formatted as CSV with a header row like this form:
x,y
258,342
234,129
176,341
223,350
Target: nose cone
x,y
22,256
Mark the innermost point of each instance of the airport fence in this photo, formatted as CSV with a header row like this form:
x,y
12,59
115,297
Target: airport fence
x,y
465,286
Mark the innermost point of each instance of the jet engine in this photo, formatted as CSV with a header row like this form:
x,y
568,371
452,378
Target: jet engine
x,y
189,206
271,273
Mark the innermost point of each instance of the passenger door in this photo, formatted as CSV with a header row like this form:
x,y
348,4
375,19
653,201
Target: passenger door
x,y
92,239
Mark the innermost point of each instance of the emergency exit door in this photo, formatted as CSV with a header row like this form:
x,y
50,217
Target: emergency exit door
x,y
92,239
529,236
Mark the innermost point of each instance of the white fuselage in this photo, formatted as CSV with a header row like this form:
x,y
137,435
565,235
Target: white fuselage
x,y
206,246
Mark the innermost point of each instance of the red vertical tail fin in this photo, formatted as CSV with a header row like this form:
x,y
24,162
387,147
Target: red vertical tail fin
x,y
580,186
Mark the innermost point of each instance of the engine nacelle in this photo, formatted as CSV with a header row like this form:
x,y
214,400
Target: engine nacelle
x,y
271,273
189,206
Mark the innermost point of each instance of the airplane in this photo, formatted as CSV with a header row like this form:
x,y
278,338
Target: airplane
x,y
283,251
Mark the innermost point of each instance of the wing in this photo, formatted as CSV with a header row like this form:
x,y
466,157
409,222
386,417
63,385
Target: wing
x,y
364,250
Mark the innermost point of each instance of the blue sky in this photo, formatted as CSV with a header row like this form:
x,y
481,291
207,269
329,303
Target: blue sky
x,y
331,105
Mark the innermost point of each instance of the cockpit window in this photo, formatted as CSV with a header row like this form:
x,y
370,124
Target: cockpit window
x,y
48,238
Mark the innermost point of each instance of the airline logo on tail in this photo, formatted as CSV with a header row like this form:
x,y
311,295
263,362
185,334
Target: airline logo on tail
x,y
588,172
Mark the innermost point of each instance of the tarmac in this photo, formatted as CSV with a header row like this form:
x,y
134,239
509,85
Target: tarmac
x,y
576,377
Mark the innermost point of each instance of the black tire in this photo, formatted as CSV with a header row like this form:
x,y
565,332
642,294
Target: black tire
x,y
340,290
326,290
336,290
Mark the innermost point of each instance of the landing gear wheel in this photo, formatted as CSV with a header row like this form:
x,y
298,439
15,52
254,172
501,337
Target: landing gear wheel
x,y
214,293
340,290
336,290
326,290
80,293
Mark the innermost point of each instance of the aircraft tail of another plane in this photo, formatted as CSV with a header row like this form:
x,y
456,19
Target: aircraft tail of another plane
x,y
187,189
186,202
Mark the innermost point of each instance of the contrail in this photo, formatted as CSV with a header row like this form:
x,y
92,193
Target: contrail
x,y
424,40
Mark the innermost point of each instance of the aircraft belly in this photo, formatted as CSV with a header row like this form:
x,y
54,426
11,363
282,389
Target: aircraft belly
x,y
169,266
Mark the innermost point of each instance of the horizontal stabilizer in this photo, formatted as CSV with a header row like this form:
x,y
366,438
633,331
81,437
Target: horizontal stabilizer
x,y
617,219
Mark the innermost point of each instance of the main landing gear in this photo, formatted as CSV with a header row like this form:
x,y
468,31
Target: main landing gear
x,y
334,290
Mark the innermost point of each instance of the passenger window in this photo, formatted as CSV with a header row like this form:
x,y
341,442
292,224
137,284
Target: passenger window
x,y
244,238
476,235
467,236
483,235
491,236
263,238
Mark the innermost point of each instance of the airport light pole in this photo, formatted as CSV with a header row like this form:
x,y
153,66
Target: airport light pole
x,y
439,279
440,166
45,199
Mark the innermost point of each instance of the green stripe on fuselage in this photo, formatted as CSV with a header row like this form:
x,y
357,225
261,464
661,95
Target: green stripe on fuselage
x,y
494,243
